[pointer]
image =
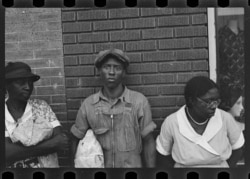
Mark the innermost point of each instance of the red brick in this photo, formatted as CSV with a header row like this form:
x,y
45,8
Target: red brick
x,y
33,45
73,103
79,71
200,42
58,99
58,107
191,31
174,43
173,21
132,79
171,90
69,38
125,35
107,25
19,18
134,57
50,16
87,59
37,63
146,90
143,68
157,33
162,112
93,37
123,13
159,56
141,45
71,82
184,77
54,26
11,46
72,115
200,65
13,37
48,53
55,43
78,49
49,72
24,27
50,90
79,92
92,14
76,27
48,35
43,82
70,60
57,81
191,54
19,55
180,101
189,10
139,23
68,16
61,116
162,101
90,81
175,66
104,46
156,11
158,79
199,19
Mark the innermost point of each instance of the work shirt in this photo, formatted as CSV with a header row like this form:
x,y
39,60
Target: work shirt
x,y
190,149
118,126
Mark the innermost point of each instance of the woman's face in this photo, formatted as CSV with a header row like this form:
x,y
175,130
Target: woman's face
x,y
237,109
206,105
20,89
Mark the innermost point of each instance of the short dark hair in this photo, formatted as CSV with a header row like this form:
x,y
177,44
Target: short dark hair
x,y
197,87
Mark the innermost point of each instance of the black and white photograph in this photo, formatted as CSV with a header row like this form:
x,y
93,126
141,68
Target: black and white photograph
x,y
141,88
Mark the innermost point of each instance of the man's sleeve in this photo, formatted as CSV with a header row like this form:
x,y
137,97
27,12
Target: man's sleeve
x,y
81,125
146,123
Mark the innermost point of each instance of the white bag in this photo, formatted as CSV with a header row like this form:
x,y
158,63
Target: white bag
x,y
89,153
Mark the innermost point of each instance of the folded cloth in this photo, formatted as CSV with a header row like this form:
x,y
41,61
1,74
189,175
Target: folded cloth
x,y
30,133
89,153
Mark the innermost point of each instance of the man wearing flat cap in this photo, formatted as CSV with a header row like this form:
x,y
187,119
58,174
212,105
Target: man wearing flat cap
x,y
119,117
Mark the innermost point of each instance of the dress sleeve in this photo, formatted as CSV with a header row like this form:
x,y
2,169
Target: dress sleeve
x,y
234,133
81,125
145,117
50,115
164,140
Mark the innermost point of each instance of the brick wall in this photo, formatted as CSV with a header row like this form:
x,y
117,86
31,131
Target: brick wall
x,y
166,47
34,36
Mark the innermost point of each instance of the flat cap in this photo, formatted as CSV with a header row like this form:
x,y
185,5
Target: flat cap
x,y
113,52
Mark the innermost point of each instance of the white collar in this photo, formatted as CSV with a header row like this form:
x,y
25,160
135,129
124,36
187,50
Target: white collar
x,y
213,126
10,123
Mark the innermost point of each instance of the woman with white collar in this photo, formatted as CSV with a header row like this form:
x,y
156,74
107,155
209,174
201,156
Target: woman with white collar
x,y
199,134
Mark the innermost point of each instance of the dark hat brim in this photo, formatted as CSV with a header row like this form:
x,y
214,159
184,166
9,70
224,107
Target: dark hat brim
x,y
32,76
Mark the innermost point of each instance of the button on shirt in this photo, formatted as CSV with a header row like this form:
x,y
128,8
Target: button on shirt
x,y
119,126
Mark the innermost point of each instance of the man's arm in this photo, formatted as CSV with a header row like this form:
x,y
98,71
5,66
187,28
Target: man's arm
x,y
149,150
73,146
16,151
163,162
234,158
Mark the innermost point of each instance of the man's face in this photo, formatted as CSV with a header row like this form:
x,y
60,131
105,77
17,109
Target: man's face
x,y
112,72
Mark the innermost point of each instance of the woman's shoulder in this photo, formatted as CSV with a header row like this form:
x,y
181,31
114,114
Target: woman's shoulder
x,y
38,102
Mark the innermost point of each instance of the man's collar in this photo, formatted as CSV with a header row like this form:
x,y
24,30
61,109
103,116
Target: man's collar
x,y
124,97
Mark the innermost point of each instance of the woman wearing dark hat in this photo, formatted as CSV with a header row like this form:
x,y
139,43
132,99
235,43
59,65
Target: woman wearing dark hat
x,y
33,134
199,134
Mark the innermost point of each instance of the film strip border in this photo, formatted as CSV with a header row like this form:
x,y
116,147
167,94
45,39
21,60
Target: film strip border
x,y
242,173
127,174
125,3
